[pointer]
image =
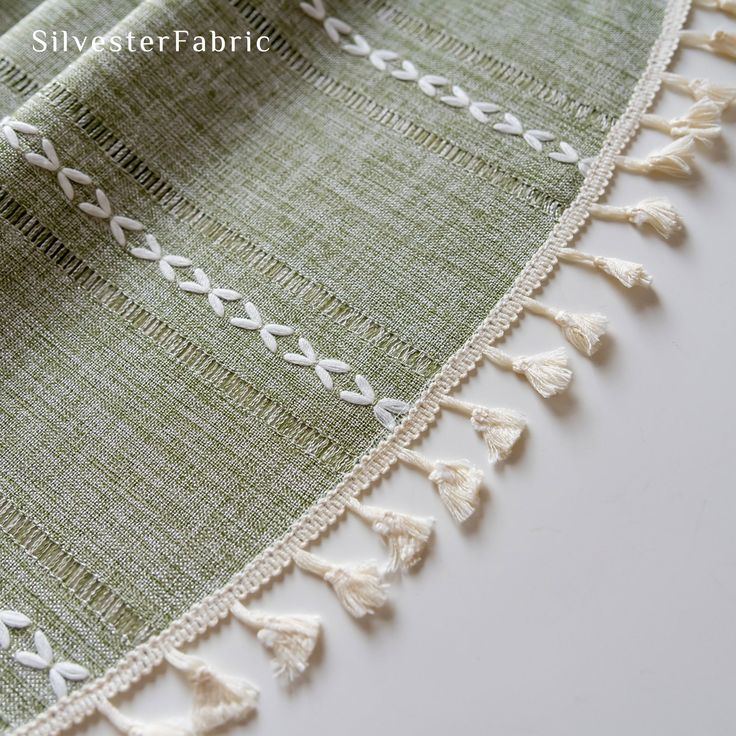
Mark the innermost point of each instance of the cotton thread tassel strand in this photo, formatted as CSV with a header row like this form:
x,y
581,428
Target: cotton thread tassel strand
x,y
718,41
702,121
129,727
626,272
500,428
674,160
547,372
290,639
725,6
360,588
405,536
656,212
218,699
582,330
457,482
702,89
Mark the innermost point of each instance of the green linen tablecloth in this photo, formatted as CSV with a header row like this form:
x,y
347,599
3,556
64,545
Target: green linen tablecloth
x,y
329,202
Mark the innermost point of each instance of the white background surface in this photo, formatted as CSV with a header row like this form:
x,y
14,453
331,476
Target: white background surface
x,y
596,592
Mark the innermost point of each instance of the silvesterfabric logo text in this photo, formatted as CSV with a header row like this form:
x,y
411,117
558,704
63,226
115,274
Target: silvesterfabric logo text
x,y
178,40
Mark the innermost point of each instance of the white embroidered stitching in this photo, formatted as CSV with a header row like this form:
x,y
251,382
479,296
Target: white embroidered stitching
x,y
385,410
268,332
43,659
382,409
431,84
103,211
49,162
216,295
322,366
166,263
11,620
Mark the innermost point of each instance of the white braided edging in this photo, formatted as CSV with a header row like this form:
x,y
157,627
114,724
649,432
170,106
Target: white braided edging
x,y
385,409
431,84
371,467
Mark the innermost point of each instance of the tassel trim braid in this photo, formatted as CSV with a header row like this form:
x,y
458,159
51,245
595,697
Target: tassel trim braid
x,y
674,160
457,482
717,42
406,537
290,639
217,699
500,428
655,212
547,372
359,587
722,95
582,330
702,121
625,272
129,727
725,6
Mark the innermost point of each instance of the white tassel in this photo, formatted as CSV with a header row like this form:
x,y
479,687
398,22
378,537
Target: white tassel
x,y
676,160
626,272
129,727
291,639
702,89
546,372
582,330
500,428
457,482
702,121
725,6
655,212
218,699
359,588
405,536
718,41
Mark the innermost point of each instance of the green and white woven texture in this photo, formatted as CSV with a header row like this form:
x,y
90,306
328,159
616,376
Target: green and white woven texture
x,y
235,285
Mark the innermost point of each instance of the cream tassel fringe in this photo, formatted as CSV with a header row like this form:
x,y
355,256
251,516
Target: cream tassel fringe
x,y
725,6
359,588
291,639
676,160
626,272
129,727
546,372
718,41
701,89
582,330
218,699
457,482
702,121
655,212
406,536
500,428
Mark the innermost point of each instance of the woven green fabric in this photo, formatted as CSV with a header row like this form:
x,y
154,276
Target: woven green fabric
x,y
150,450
